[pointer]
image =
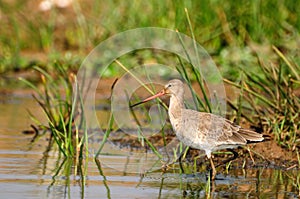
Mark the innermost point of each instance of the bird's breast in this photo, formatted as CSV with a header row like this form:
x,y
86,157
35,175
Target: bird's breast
x,y
189,133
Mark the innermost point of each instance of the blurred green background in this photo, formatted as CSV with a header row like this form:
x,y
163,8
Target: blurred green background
x,y
233,32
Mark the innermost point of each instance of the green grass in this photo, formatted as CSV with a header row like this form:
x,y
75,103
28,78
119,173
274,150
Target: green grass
x,y
31,36
61,105
271,97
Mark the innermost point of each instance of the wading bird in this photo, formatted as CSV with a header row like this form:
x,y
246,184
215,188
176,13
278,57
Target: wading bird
x,y
201,130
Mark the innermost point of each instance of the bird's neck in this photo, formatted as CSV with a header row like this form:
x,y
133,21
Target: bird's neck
x,y
176,106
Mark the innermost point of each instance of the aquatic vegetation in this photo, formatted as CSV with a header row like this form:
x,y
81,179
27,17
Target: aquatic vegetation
x,y
61,104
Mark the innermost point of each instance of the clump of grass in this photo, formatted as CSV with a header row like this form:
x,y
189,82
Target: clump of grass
x,y
61,105
271,94
77,29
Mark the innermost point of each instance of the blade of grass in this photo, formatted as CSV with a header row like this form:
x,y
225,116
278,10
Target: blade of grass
x,y
106,135
240,99
155,151
140,82
286,61
198,76
185,76
252,93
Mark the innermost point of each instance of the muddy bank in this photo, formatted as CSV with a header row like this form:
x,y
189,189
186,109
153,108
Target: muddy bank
x,y
266,154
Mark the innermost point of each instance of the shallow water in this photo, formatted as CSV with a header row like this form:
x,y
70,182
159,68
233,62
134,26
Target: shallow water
x,y
28,170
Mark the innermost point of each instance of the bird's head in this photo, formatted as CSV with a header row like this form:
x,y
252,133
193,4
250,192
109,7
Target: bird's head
x,y
172,88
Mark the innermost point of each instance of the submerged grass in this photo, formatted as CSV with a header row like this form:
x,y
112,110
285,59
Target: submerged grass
x,y
62,104
68,168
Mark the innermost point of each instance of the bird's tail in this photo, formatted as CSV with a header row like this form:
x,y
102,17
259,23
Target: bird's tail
x,y
251,136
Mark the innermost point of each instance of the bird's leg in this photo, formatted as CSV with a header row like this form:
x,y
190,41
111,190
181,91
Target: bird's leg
x,y
213,169
251,155
235,155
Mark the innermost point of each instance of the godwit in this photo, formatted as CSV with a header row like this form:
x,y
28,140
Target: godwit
x,y
200,130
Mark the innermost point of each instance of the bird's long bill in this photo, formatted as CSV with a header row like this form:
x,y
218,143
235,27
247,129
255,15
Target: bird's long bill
x,y
161,93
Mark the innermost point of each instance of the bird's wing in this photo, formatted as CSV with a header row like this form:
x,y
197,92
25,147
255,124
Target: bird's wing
x,y
248,134
230,134
224,131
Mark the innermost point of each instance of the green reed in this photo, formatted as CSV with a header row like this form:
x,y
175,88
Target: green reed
x,y
62,106
272,97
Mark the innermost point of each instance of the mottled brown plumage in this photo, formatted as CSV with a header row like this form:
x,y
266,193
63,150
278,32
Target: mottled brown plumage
x,y
202,130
